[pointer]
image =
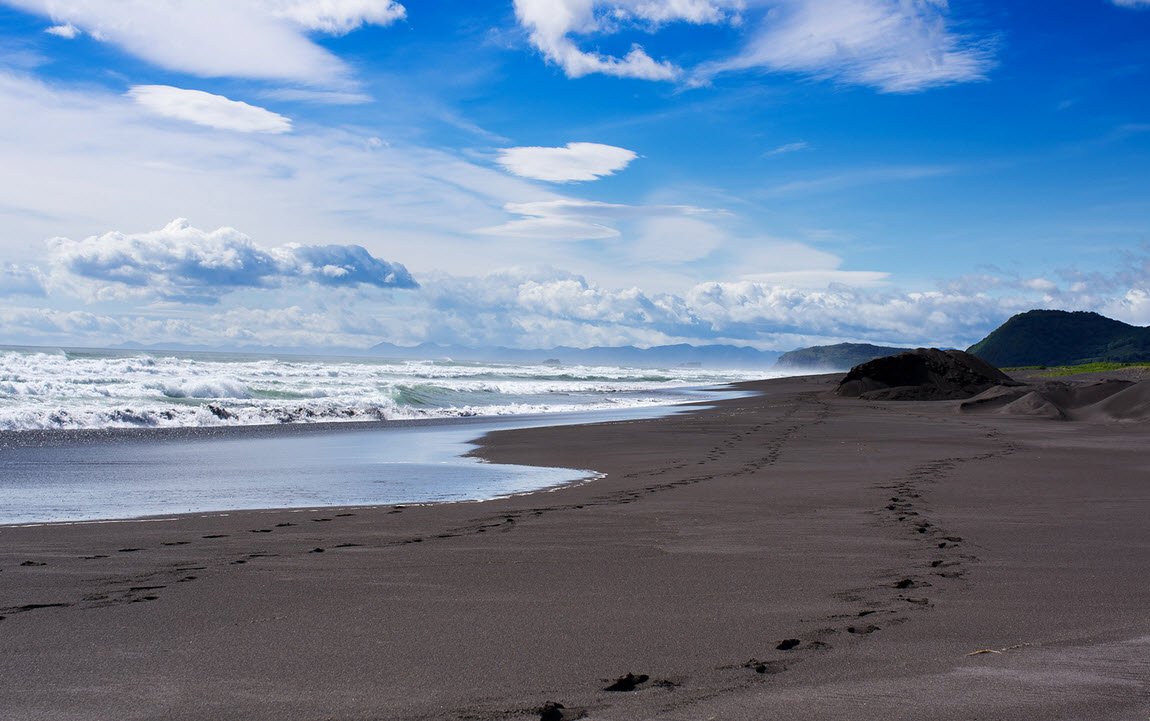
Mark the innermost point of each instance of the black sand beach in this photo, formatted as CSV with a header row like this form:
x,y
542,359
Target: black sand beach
x,y
788,555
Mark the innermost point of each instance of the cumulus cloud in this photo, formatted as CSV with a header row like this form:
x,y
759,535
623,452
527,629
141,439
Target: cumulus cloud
x,y
572,162
21,280
1132,3
535,309
186,264
214,111
897,46
552,23
265,39
543,307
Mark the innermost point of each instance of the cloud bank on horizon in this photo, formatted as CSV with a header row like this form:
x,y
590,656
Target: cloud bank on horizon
x,y
578,172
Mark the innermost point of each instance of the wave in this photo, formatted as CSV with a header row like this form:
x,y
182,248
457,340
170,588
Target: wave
x,y
112,389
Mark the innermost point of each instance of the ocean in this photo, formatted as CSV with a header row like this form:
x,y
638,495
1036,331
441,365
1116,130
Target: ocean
x,y
43,388
95,435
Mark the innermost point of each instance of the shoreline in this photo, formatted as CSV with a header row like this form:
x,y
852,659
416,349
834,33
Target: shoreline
x,y
716,539
374,453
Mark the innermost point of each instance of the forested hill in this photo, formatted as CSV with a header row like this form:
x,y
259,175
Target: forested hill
x,y
1058,337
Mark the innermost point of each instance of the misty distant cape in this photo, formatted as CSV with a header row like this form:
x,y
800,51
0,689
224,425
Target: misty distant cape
x,y
837,357
1058,337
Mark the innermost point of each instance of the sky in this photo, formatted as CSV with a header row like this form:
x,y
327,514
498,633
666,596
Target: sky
x,y
530,173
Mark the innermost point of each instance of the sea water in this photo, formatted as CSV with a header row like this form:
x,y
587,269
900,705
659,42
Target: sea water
x,y
61,388
67,455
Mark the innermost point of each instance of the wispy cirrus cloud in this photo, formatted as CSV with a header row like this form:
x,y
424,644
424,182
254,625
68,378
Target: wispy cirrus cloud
x,y
262,39
569,219
787,148
182,263
213,111
896,46
1132,3
570,163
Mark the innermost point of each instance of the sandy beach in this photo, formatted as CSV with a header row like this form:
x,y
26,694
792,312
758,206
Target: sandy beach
x,y
790,554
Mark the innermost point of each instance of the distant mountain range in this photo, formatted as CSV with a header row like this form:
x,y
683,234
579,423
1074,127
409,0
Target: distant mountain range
x,y
1058,337
709,356
1036,337
837,357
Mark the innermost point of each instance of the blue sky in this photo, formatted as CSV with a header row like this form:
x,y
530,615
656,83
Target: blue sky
x,y
776,173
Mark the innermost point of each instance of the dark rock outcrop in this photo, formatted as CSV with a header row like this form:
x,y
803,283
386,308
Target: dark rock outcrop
x,y
925,374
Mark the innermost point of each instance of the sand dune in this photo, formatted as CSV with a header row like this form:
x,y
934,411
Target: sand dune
x,y
1096,402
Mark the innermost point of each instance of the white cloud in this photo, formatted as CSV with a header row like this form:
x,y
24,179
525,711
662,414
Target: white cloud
x,y
265,39
551,23
186,264
788,148
60,143
67,31
214,111
675,240
894,45
573,162
319,97
21,280
336,17
820,278
1132,3
567,219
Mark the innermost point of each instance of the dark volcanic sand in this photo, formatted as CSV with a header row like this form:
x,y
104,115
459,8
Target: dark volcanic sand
x,y
892,541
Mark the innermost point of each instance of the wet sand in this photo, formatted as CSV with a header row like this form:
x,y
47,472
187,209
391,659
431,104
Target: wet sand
x,y
789,555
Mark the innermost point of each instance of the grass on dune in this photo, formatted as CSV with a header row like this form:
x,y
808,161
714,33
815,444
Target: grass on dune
x,y
1056,371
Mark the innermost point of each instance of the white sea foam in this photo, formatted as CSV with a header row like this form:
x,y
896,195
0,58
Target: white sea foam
x,y
52,389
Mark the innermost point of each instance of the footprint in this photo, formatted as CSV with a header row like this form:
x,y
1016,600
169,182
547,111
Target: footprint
x,y
343,515
284,525
553,711
216,535
130,550
863,630
788,644
34,606
316,550
628,683
765,667
33,563
175,543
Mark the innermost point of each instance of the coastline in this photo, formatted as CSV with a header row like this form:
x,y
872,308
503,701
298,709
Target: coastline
x,y
715,536
71,476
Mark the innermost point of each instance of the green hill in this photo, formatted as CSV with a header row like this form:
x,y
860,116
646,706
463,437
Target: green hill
x,y
1059,338
841,356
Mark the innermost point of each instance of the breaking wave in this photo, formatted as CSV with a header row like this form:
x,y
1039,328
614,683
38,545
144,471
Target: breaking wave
x,y
42,389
